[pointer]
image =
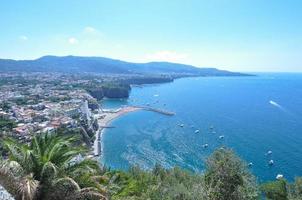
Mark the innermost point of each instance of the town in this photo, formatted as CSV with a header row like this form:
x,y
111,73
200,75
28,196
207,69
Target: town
x,y
36,102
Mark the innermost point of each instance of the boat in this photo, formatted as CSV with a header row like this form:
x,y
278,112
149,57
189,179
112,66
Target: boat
x,y
197,131
205,146
181,125
279,176
221,137
269,152
271,162
250,164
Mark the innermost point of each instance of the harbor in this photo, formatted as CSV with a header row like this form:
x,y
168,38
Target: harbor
x,y
104,118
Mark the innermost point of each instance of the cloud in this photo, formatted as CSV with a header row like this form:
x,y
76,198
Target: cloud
x,y
89,29
169,56
72,40
23,38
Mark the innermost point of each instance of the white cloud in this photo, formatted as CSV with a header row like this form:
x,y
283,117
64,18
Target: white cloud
x,y
23,38
89,29
169,56
72,40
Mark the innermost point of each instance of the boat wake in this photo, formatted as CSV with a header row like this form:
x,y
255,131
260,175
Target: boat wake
x,y
273,103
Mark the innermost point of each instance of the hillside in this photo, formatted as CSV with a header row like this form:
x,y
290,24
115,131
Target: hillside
x,y
76,64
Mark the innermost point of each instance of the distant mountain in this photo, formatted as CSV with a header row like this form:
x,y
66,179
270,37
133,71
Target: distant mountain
x,y
76,64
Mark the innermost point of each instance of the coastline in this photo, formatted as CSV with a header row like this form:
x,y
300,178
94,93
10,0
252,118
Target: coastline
x,y
104,119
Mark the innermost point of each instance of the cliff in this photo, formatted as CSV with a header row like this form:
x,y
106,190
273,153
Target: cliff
x,y
110,91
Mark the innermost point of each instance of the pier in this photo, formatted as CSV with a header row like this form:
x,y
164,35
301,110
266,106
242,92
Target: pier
x,y
107,126
164,112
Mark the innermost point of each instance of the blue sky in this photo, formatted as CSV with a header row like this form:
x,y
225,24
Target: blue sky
x,y
240,35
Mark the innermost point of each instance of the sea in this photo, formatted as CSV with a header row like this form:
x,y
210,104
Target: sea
x,y
258,117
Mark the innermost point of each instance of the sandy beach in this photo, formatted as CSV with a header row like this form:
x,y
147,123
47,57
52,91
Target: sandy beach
x,y
104,119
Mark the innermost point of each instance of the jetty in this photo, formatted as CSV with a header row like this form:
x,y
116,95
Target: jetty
x,y
107,126
164,112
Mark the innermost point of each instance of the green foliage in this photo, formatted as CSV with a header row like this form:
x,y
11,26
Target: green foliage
x,y
6,124
282,190
21,101
42,166
295,189
157,184
47,169
4,105
227,177
276,190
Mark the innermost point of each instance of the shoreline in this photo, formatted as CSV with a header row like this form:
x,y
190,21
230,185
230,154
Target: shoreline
x,y
104,119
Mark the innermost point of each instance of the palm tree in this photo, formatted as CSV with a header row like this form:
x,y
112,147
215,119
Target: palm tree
x,y
50,168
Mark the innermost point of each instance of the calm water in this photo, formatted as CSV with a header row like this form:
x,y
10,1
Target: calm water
x,y
255,115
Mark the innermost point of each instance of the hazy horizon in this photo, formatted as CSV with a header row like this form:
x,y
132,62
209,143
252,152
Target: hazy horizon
x,y
245,36
161,61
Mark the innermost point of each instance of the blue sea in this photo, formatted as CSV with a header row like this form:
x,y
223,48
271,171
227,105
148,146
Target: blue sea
x,y
254,114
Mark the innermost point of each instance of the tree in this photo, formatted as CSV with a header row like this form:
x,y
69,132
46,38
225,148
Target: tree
x,y
295,189
275,190
227,178
282,190
49,168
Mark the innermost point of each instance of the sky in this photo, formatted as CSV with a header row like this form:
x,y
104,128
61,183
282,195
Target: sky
x,y
237,35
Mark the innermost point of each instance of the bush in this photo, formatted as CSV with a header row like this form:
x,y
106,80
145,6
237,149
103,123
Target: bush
x,y
227,178
276,190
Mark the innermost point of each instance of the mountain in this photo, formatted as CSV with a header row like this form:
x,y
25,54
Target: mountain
x,y
77,64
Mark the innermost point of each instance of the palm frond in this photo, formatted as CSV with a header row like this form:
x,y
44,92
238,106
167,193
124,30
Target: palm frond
x,y
27,187
8,180
49,172
62,188
88,194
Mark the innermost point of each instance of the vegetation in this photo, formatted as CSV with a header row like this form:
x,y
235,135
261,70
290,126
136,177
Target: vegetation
x,y
109,90
282,190
226,178
5,106
6,124
50,168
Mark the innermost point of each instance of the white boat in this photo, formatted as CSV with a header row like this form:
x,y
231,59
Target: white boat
x,y
197,131
181,125
221,137
269,153
205,146
271,162
250,164
279,176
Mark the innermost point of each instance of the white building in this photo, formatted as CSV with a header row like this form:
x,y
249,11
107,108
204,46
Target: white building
x,y
85,110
